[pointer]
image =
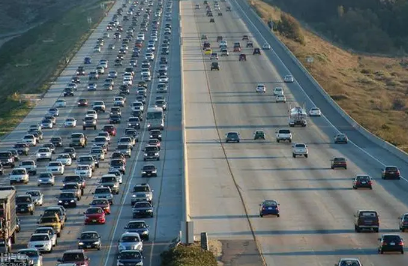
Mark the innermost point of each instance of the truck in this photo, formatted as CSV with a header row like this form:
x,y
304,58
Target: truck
x,y
8,220
297,116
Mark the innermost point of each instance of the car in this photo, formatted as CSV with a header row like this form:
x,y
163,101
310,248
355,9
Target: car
x,y
41,241
390,172
115,119
259,134
111,181
300,149
130,241
102,203
55,167
249,44
130,257
134,122
30,166
30,139
89,240
212,20
348,262
71,151
49,145
22,148
75,256
362,181
68,92
73,187
118,164
155,134
70,122
45,179
149,170
102,192
280,98
119,101
112,74
232,137
87,60
25,204
340,138
257,51
338,162
53,111
75,179
110,129
88,160
60,103
51,221
278,91
315,111
142,209
224,52
89,122
154,142
57,141
94,215
260,88
366,220
161,103
99,106
67,199
269,207
37,196
391,243
99,152
33,254
50,231
266,46
82,103
288,79
242,57
19,175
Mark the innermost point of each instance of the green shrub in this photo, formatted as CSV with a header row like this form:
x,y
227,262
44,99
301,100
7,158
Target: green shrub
x,y
289,27
188,256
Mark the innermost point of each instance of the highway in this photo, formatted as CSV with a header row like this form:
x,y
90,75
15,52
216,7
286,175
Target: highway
x,y
227,182
165,224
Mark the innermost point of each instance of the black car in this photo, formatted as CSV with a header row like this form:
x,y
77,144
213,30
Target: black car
x,y
362,181
391,243
130,257
149,170
68,92
142,209
115,119
155,134
215,66
139,227
71,151
391,172
340,138
67,199
134,122
232,137
89,240
57,141
138,113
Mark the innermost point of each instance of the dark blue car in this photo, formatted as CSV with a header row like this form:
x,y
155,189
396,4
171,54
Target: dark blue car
x,y
130,258
269,207
139,227
87,60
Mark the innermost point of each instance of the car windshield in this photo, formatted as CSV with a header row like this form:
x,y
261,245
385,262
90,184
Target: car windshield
x,y
102,191
23,199
85,159
55,164
51,212
117,163
300,145
129,239
27,163
130,255
136,225
99,202
64,156
67,195
339,160
71,186
106,179
29,253
151,149
349,263
73,257
76,136
391,169
89,236
45,175
94,211
18,172
34,193
368,214
39,237
140,189
48,220
149,167
142,205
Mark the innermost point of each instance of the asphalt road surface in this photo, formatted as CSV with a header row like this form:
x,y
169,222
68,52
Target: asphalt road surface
x,y
165,224
227,182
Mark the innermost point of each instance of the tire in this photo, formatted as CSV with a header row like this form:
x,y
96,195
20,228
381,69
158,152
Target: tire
x,y
59,234
83,128
354,187
376,230
306,155
294,155
278,215
402,251
277,140
35,172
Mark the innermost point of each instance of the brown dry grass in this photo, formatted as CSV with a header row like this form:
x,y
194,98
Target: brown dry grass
x,y
368,88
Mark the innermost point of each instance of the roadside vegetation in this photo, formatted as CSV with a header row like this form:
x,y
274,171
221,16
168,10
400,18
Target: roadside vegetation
x,y
188,256
31,62
371,89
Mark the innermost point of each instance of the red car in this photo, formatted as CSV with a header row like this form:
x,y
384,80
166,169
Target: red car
x,y
82,102
95,215
110,129
101,203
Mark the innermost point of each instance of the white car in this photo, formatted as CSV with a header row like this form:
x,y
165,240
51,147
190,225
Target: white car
x,y
44,153
163,79
117,173
300,149
266,46
45,179
65,159
70,122
154,37
19,175
47,124
140,37
106,135
214,56
84,171
260,88
97,49
314,111
30,140
151,48
137,106
100,70
280,99
278,91
99,105
288,79
149,56
47,230
55,167
60,103
127,80
127,141
130,241
119,101
34,255
92,113
37,196
42,242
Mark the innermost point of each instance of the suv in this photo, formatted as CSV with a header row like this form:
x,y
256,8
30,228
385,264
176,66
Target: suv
x,y
78,139
366,219
391,243
215,66
7,159
110,181
339,162
391,172
300,149
76,256
89,122
232,137
25,204
151,153
283,135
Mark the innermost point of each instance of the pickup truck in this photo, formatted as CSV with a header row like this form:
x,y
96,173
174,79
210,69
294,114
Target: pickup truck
x,y
283,135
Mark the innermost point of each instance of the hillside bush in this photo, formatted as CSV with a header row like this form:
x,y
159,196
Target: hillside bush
x,y
289,27
188,256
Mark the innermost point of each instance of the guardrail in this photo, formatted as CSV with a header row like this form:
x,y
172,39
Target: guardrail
x,y
370,136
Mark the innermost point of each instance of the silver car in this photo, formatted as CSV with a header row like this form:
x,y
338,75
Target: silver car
x,y
48,230
46,179
42,242
103,193
130,241
37,196
34,255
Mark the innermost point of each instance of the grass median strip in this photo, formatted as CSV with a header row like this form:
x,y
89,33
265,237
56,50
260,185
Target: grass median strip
x,y
31,62
371,89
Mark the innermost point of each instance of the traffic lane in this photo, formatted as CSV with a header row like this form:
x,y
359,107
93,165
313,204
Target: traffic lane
x,y
206,183
380,155
237,156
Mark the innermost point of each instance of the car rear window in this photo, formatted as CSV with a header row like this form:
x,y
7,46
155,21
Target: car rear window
x,y
391,169
368,214
392,238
